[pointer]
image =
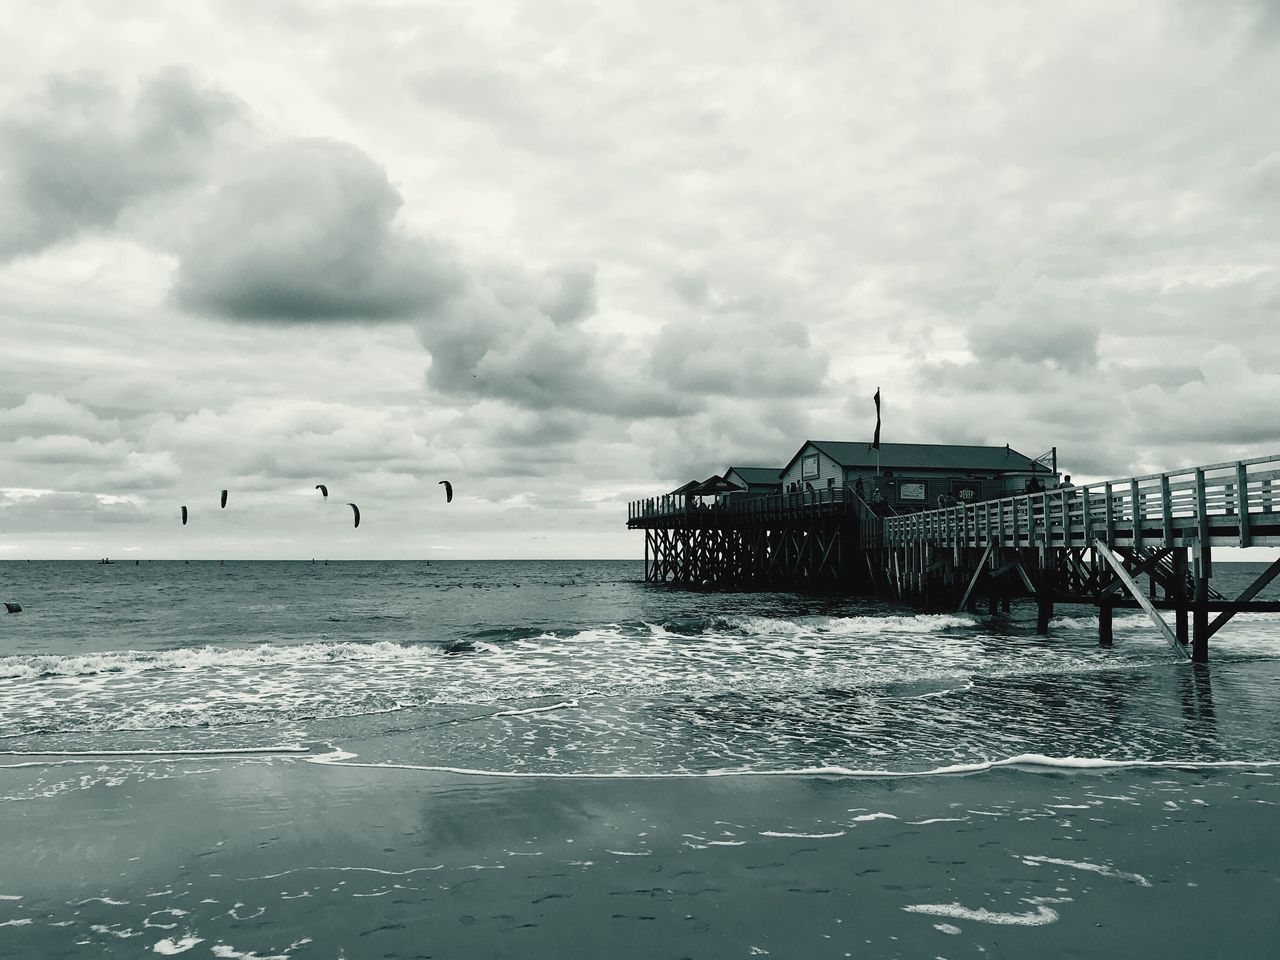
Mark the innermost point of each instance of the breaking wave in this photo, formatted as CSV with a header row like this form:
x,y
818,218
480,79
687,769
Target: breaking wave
x,y
206,657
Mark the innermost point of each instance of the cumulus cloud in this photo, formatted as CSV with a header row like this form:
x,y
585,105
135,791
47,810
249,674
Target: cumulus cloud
x,y
726,432
41,414
78,153
738,355
306,230
521,337
65,449
1035,319
1232,404
43,511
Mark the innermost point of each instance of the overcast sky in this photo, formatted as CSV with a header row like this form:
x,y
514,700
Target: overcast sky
x,y
569,254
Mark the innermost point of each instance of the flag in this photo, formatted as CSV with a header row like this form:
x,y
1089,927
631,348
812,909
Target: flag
x,y
876,441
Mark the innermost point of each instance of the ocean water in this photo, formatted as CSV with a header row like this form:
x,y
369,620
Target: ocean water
x,y
580,668
551,759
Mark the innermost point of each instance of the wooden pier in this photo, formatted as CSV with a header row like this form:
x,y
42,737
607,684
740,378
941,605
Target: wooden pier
x,y
1093,544
805,540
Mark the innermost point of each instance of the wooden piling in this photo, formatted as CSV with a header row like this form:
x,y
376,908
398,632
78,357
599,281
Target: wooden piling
x,y
1178,593
1203,570
1044,592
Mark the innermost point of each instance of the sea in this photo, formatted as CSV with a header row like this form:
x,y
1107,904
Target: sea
x,y
568,667
113,675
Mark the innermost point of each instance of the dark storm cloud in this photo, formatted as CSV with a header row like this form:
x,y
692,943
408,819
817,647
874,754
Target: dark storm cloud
x,y
76,155
306,231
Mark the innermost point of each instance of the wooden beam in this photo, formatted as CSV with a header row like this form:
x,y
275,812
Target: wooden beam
x,y
1026,579
1166,509
1135,503
964,600
1146,566
1136,592
1249,593
1242,506
1110,515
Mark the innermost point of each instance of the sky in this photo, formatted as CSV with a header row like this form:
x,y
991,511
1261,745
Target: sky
x,y
566,255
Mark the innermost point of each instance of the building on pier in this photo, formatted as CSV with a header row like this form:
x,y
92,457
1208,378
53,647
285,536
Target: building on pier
x,y
913,476
804,524
756,481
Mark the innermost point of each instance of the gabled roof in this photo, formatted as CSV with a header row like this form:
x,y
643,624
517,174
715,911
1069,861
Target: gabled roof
x,y
915,456
685,488
758,475
713,485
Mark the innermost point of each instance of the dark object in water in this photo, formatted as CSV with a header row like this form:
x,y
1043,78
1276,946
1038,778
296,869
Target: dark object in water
x,y
12,607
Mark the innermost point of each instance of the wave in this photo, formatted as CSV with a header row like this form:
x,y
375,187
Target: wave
x,y
1025,761
196,658
506,634
863,626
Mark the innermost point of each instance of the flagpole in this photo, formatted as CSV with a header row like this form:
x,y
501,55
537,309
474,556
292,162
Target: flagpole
x,y
876,440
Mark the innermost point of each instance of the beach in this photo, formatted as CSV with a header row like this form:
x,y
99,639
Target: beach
x,y
554,760
284,857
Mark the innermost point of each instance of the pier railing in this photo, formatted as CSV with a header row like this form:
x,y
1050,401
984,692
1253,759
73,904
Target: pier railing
x,y
761,509
1225,504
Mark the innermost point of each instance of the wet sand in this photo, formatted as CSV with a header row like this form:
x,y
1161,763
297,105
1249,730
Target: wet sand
x,y
261,857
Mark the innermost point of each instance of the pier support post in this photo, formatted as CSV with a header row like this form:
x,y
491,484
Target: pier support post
x,y
1105,610
1178,594
1200,616
1044,591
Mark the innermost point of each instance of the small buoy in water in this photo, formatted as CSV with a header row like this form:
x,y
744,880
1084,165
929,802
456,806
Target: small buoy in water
x,y
13,607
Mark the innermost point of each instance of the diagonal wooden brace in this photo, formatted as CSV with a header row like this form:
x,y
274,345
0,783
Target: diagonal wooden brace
x,y
1105,552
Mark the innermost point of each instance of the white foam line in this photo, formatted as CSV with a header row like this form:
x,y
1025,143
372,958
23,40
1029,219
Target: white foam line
x,y
146,756
1098,868
566,705
10,896
341,758
386,873
802,836
1037,918
18,923
194,751
921,823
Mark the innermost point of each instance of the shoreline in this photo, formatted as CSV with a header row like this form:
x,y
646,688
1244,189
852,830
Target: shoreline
x,y
278,856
